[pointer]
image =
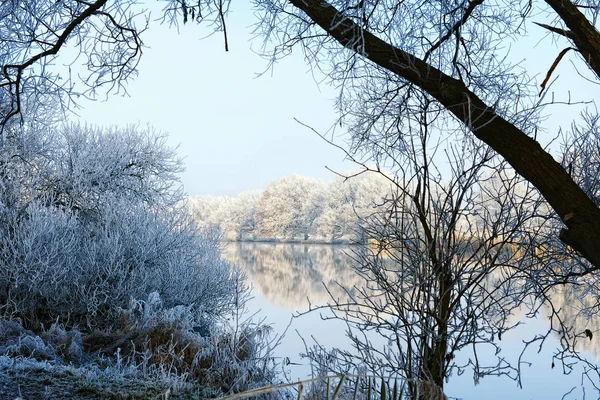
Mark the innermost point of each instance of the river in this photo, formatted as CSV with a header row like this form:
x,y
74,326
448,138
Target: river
x,y
285,277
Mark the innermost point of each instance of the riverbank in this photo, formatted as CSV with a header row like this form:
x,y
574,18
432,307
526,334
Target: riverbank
x,y
154,354
30,379
66,364
340,242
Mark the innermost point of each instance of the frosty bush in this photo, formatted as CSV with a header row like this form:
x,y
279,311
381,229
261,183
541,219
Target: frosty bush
x,y
229,358
89,219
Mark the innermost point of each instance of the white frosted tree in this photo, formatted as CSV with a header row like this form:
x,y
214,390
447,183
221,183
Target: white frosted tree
x,y
90,218
287,208
244,213
345,202
233,216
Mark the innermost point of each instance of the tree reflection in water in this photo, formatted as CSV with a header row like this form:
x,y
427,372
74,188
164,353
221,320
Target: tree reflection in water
x,y
289,274
286,275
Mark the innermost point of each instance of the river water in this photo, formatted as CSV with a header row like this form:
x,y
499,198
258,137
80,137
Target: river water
x,y
285,277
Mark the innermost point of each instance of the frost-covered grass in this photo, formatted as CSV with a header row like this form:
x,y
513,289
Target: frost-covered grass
x,y
155,353
27,378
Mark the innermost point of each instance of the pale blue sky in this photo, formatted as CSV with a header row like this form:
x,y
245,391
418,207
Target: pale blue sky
x,y
237,132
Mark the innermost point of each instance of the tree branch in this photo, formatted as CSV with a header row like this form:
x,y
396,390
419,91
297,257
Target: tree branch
x,y
585,36
562,32
553,67
523,153
455,28
61,40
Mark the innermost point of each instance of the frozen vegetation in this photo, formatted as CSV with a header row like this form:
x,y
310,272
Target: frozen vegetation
x,y
296,208
102,269
103,275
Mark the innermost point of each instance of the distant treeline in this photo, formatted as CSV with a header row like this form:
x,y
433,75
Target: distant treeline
x,y
296,208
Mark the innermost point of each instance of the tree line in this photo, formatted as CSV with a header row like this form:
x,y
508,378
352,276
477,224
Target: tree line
x,y
296,208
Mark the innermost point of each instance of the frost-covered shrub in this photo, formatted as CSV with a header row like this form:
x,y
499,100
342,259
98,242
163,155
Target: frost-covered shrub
x,y
226,359
16,341
93,218
67,344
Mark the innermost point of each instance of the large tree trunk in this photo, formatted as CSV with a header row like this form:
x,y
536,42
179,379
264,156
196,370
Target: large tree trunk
x,y
582,32
580,215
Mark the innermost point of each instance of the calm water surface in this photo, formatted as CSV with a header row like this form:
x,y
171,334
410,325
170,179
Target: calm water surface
x,y
287,276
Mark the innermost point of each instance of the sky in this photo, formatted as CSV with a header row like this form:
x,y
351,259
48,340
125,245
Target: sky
x,y
235,131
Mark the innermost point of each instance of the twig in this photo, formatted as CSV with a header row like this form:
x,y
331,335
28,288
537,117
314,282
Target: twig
x,y
553,67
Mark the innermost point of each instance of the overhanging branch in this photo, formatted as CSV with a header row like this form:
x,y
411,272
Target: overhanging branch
x,y
522,152
585,36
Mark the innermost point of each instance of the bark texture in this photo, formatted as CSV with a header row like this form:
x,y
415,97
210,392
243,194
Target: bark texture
x,y
585,36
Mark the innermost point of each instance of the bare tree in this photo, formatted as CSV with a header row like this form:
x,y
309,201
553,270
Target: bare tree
x,y
405,67
104,34
382,53
447,269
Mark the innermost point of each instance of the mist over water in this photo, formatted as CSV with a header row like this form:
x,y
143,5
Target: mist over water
x,y
286,277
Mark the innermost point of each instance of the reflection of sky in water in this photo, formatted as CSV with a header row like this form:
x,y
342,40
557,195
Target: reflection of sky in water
x,y
285,275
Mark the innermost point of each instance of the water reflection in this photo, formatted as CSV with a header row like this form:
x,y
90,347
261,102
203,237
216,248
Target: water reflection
x,y
288,274
284,275
579,310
